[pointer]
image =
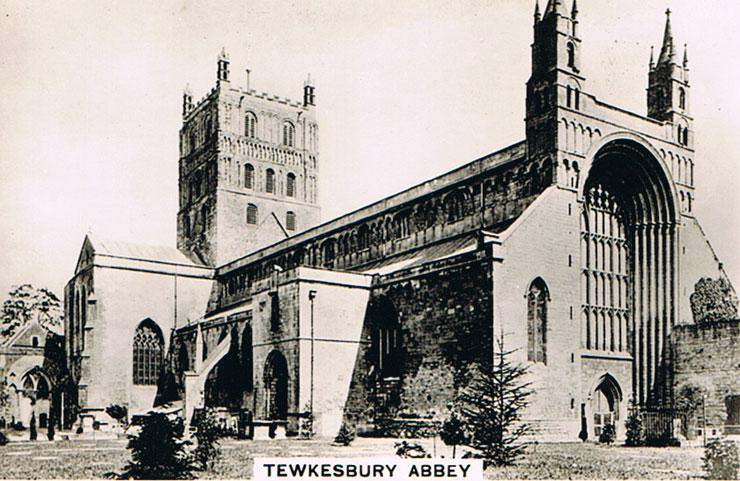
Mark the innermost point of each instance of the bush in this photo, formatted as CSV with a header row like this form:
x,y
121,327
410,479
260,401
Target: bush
x,y
345,436
3,439
117,412
206,433
405,449
608,434
635,432
158,451
721,460
453,432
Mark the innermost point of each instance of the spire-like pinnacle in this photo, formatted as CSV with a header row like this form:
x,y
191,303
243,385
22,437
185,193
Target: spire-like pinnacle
x,y
537,15
685,55
308,80
667,51
187,90
574,10
555,6
223,55
652,57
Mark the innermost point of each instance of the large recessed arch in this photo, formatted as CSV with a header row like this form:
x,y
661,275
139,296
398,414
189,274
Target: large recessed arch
x,y
276,385
629,222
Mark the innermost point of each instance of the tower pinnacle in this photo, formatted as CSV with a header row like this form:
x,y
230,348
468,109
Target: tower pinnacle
x,y
537,15
223,66
574,10
555,6
667,51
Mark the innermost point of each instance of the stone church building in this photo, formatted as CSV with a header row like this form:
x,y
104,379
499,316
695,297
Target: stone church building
x,y
578,245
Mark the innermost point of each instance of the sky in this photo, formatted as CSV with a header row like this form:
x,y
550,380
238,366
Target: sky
x,y
92,93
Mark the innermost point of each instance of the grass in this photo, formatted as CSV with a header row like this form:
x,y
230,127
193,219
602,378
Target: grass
x,y
88,459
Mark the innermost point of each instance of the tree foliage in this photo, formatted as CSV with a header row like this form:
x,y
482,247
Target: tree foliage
x,y
492,407
713,300
689,398
117,412
158,450
25,303
635,432
207,432
608,434
453,432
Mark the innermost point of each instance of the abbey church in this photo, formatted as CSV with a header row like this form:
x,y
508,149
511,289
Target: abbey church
x,y
578,245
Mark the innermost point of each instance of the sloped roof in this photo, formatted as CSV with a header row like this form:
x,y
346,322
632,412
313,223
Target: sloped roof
x,y
441,250
137,251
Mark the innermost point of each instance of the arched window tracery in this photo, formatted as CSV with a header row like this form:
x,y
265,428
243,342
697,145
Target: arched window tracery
x,y
148,349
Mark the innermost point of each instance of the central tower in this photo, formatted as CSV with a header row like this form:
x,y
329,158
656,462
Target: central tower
x,y
248,169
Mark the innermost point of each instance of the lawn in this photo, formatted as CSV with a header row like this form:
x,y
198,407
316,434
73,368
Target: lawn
x,y
92,459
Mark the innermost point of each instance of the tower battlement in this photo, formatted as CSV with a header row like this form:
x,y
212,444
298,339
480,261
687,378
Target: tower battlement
x,y
248,169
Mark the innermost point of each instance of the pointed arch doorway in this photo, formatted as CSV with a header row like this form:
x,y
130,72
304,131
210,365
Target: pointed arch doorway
x,y
605,404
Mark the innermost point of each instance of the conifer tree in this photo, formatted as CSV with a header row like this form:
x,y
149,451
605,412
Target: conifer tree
x,y
492,406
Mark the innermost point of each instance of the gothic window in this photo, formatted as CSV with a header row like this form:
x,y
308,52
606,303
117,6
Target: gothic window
x,y
270,181
248,176
681,98
251,214
186,225
250,125
35,341
148,351
290,185
288,134
290,220
537,299
571,55
577,99
569,96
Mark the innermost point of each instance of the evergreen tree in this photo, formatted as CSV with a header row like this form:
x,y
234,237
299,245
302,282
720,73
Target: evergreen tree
x,y
158,451
635,433
492,407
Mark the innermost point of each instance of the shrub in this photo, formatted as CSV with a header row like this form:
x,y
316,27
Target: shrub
x,y
635,432
345,436
117,412
608,434
158,450
207,451
3,439
453,432
721,460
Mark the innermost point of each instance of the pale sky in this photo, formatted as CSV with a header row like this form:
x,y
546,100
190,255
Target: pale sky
x,y
406,90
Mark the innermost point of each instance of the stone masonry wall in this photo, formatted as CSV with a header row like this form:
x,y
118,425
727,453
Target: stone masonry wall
x,y
444,314
709,358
